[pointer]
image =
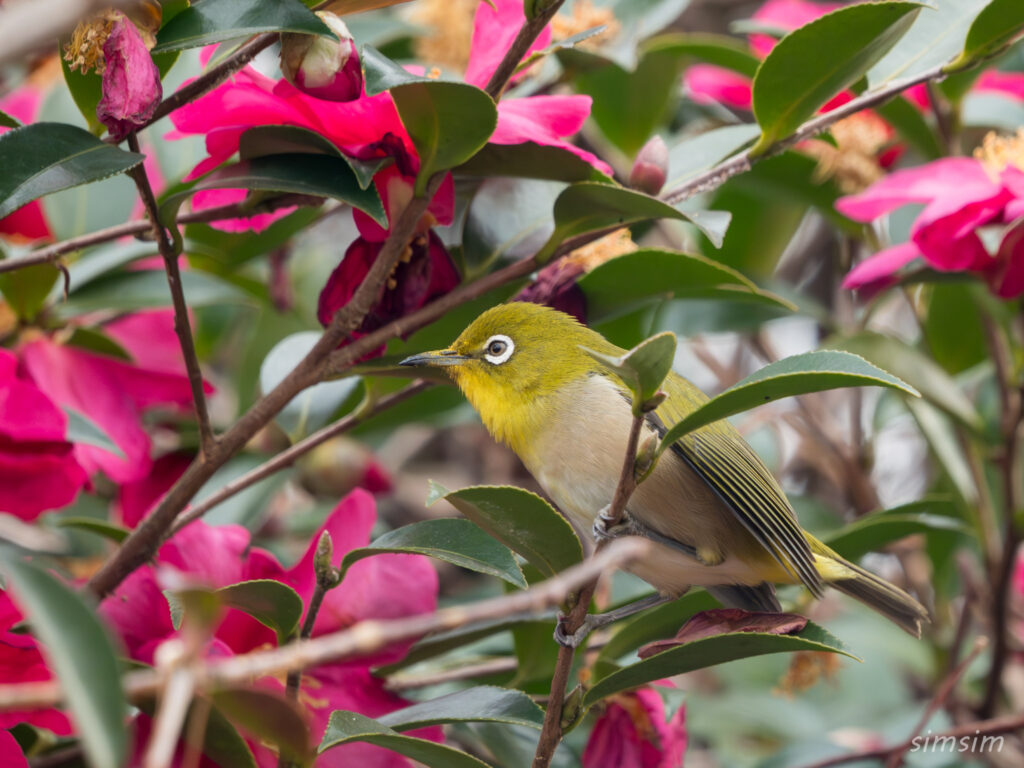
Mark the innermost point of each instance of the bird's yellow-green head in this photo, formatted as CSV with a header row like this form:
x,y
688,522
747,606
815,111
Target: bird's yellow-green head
x,y
511,358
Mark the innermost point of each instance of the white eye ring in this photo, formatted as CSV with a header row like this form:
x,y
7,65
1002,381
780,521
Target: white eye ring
x,y
498,349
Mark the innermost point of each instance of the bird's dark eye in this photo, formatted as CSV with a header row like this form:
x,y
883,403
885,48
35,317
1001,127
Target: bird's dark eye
x,y
498,349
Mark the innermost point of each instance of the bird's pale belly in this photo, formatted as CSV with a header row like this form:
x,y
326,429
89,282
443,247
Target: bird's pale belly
x,y
583,459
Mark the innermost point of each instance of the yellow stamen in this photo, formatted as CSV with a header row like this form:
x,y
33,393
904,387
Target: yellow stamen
x,y
997,152
854,161
451,25
806,668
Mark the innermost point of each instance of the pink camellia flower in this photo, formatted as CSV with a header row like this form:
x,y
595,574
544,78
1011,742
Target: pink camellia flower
x,y
10,753
28,223
322,68
112,392
385,586
131,81
961,196
22,662
632,733
707,83
38,469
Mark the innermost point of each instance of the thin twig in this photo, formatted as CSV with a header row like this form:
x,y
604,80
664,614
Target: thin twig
x,y
551,732
53,252
990,728
182,325
361,639
400,683
527,35
288,457
140,545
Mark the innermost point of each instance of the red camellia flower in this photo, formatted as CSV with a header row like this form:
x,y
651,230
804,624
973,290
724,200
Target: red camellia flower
x,y
632,733
38,469
10,753
385,586
131,81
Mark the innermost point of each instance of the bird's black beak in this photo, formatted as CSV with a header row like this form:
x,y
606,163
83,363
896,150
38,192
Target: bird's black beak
x,y
438,358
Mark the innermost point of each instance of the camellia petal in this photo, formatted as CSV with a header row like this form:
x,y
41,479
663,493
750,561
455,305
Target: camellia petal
x,y
786,15
546,120
131,81
495,26
632,733
709,84
880,269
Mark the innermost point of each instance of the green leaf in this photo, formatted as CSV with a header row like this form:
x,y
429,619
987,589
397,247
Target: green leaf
x,y
460,542
82,429
953,326
483,703
82,656
935,37
447,122
86,89
633,280
911,125
95,340
267,716
25,290
796,375
127,291
263,140
9,121
815,62
46,157
587,206
222,742
643,368
998,23
212,21
910,364
272,603
720,50
871,533
520,520
347,727
708,652
107,530
300,173
529,161
693,156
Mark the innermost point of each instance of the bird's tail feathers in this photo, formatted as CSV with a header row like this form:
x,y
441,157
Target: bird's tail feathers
x,y
875,592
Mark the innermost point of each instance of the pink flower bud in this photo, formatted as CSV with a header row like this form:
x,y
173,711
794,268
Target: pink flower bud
x,y
320,67
650,167
131,81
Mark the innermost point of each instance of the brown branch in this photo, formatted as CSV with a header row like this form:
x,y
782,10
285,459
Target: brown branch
x,y
551,732
527,34
53,252
725,170
288,457
143,542
361,639
399,683
182,326
993,727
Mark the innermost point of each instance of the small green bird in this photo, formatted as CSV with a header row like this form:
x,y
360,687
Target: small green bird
x,y
716,514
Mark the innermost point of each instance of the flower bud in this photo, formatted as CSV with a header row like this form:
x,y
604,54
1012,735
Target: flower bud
x,y
320,67
131,81
650,167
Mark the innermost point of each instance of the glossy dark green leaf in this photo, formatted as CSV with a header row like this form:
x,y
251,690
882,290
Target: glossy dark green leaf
x,y
148,289
953,326
873,532
82,657
383,74
348,727
46,157
107,530
272,603
520,520
268,716
910,364
625,283
460,542
8,121
86,89
815,62
708,652
82,429
299,173
644,367
587,206
447,122
529,161
692,156
720,50
263,140
796,375
936,36
25,290
212,21
483,703
222,742
998,23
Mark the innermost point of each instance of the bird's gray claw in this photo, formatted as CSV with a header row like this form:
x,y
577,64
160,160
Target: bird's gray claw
x,y
605,531
576,638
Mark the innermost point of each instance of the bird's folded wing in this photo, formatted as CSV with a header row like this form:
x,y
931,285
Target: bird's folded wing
x,y
722,459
